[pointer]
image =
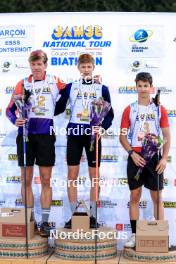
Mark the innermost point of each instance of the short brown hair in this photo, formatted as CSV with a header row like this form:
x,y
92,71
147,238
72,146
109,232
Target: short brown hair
x,y
145,77
38,55
86,58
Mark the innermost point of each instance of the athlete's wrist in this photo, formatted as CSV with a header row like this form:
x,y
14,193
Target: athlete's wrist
x,y
130,152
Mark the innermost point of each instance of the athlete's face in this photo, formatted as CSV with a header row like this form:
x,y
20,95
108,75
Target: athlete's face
x,y
143,88
86,70
38,69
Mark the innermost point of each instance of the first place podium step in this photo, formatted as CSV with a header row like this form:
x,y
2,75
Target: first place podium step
x,y
55,260
52,259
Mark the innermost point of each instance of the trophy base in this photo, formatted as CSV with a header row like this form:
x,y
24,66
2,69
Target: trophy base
x,y
81,246
55,260
15,248
131,256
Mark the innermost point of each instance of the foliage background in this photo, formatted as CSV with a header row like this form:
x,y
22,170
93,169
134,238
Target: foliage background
x,y
11,6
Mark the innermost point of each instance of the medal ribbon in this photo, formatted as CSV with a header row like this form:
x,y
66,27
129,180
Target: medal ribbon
x,y
142,119
85,101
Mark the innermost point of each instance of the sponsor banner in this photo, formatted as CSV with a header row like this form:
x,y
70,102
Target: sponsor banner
x,y
120,53
141,41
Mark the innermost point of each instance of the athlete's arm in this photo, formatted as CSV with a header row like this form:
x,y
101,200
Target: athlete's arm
x,y
62,102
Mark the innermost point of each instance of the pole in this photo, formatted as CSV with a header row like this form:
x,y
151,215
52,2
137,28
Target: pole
x,y
158,193
96,190
25,186
157,102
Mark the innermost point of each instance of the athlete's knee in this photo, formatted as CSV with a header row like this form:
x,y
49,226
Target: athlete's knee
x,y
73,172
72,177
28,181
45,181
135,197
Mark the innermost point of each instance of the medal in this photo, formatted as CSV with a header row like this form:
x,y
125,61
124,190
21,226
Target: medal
x,y
85,102
142,124
37,96
85,115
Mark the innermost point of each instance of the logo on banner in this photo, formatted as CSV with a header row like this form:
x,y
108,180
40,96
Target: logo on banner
x,y
127,90
138,65
9,65
119,227
19,202
139,37
81,180
123,227
171,112
13,179
65,40
9,89
3,135
12,157
131,90
106,204
165,181
165,90
109,158
169,204
122,181
109,134
6,66
142,204
57,203
2,202
15,40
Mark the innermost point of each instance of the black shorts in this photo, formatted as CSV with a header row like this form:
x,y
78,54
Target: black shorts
x,y
40,150
75,145
148,177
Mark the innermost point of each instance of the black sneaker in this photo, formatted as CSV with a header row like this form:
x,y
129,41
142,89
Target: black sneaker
x,y
94,223
45,229
36,230
68,224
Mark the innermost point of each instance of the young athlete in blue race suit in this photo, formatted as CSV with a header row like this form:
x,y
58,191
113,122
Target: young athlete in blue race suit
x,y
80,95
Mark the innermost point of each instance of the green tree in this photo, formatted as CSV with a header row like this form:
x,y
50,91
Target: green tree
x,y
87,5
